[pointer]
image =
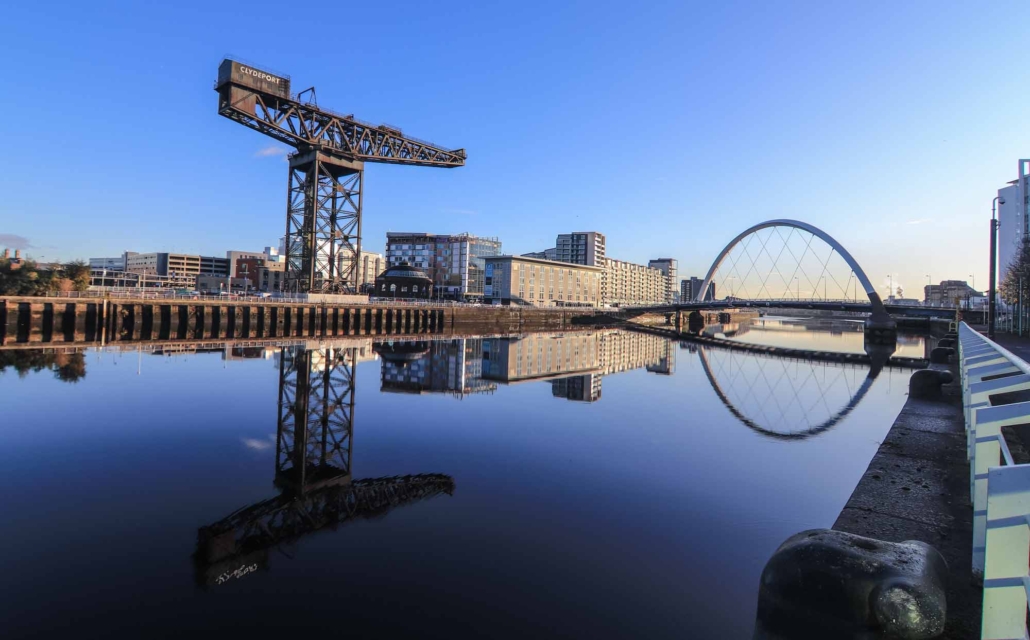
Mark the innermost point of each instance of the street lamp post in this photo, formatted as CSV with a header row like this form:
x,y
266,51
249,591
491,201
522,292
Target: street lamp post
x,y
993,277
890,289
928,285
969,305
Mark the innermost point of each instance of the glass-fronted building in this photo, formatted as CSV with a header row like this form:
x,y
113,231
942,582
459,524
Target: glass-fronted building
x,y
455,263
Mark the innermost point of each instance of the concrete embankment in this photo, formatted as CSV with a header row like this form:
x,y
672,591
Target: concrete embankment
x,y
62,320
917,488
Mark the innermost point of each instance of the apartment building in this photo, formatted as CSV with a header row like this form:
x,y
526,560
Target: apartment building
x,y
628,284
541,283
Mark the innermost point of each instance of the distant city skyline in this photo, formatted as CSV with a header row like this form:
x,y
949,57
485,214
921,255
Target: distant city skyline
x,y
889,127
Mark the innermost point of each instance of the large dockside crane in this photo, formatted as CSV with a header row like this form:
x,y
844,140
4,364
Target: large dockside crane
x,y
323,215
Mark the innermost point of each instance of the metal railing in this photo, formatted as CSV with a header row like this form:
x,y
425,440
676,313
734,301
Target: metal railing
x,y
1000,489
158,293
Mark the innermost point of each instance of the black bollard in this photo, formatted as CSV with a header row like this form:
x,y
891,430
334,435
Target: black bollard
x,y
830,584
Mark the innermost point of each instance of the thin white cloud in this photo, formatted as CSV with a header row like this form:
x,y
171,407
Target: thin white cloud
x,y
919,221
271,151
257,444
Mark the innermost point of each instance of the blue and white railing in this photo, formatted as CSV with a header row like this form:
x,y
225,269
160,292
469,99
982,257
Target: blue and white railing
x,y
999,488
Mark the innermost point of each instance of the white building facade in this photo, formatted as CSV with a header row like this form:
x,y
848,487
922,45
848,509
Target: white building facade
x,y
1013,216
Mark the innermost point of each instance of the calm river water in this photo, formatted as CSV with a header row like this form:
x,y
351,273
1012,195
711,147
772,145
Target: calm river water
x,y
598,484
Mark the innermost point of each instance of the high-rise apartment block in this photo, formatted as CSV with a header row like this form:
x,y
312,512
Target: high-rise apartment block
x,y
455,263
581,247
690,287
1013,217
667,266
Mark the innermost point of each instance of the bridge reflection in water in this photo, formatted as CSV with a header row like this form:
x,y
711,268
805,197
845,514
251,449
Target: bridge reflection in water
x,y
315,429
785,398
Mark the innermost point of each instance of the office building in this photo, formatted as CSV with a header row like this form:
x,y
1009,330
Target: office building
x,y
233,256
541,283
370,265
454,263
949,293
174,269
111,264
629,284
581,247
1013,217
667,266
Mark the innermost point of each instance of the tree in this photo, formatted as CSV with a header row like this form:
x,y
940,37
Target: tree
x,y
25,278
1017,270
78,272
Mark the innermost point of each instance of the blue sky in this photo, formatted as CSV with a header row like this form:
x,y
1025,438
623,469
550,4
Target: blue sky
x,y
670,127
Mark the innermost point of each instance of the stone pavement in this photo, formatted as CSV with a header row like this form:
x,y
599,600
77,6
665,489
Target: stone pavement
x,y
917,488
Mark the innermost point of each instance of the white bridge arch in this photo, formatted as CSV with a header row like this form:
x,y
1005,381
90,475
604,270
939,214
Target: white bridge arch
x,y
878,311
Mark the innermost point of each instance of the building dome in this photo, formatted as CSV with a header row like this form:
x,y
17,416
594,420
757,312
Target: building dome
x,y
405,270
403,281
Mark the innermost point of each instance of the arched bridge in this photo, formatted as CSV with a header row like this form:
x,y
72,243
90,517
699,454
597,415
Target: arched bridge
x,y
792,264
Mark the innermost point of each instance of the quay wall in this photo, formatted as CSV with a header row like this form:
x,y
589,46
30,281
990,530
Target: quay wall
x,y
27,320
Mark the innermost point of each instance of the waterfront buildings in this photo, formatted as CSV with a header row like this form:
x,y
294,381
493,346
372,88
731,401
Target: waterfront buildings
x,y
690,286
233,258
454,263
546,254
403,281
667,266
1013,217
950,293
622,283
626,283
541,283
111,264
271,276
370,265
575,362
453,367
584,388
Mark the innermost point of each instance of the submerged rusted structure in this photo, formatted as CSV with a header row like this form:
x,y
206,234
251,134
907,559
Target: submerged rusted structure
x,y
323,214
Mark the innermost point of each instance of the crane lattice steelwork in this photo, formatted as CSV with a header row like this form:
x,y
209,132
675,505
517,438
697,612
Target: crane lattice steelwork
x,y
323,213
312,471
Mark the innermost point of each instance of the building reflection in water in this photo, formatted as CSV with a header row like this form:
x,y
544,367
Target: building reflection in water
x,y
439,366
782,398
313,471
573,362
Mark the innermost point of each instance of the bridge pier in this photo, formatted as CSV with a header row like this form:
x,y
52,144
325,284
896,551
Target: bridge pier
x,y
881,329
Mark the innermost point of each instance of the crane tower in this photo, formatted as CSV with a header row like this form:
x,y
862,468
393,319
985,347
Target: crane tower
x,y
323,210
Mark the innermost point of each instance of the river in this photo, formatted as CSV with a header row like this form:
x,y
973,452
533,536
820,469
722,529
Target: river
x,y
576,484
